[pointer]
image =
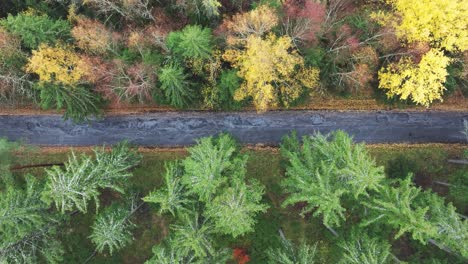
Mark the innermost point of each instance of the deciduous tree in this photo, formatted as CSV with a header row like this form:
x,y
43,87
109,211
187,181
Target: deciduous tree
x,y
422,83
269,67
58,65
442,23
93,37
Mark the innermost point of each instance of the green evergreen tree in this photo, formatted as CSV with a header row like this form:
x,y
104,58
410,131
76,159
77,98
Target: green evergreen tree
x,y
235,209
361,249
112,229
79,102
288,253
395,206
192,42
210,161
193,236
172,196
175,85
324,170
452,229
82,178
36,29
26,226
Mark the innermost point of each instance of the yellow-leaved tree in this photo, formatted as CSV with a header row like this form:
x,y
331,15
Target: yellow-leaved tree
x,y
442,23
58,65
422,83
255,22
273,71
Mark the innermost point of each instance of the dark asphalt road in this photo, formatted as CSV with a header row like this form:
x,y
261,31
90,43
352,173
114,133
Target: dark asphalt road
x,y
182,128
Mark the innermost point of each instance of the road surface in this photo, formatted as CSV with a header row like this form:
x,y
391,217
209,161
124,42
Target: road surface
x,y
171,129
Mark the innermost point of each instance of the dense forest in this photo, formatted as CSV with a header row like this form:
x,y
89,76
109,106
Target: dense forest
x,y
320,199
84,55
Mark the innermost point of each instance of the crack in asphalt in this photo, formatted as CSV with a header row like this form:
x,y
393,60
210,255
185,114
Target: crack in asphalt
x,y
171,129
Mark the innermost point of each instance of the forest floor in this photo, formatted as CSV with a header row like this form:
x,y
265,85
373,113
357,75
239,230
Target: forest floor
x,y
454,103
427,161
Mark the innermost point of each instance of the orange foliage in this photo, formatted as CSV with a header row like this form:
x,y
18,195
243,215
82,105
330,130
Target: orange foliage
x,y
92,36
240,255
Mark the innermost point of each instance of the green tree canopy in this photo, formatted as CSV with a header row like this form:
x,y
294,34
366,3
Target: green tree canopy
x,y
395,206
172,197
209,164
112,229
324,169
359,248
36,29
192,42
175,85
235,209
26,226
82,178
288,253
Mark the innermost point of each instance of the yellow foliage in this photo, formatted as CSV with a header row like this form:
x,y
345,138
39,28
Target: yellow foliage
x,y
257,22
423,83
443,23
57,65
269,70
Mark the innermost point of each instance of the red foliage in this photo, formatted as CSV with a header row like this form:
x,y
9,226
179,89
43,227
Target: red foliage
x,y
313,12
240,255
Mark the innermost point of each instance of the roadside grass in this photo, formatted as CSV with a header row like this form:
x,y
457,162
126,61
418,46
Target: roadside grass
x,y
427,162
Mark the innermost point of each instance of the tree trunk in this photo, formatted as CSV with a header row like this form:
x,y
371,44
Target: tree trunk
x,y
332,231
443,183
446,249
35,166
464,162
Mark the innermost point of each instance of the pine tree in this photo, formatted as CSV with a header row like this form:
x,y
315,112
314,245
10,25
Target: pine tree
x,y
291,254
172,196
326,169
27,226
233,211
112,229
395,206
36,29
452,229
192,42
192,235
175,85
82,178
361,249
208,164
